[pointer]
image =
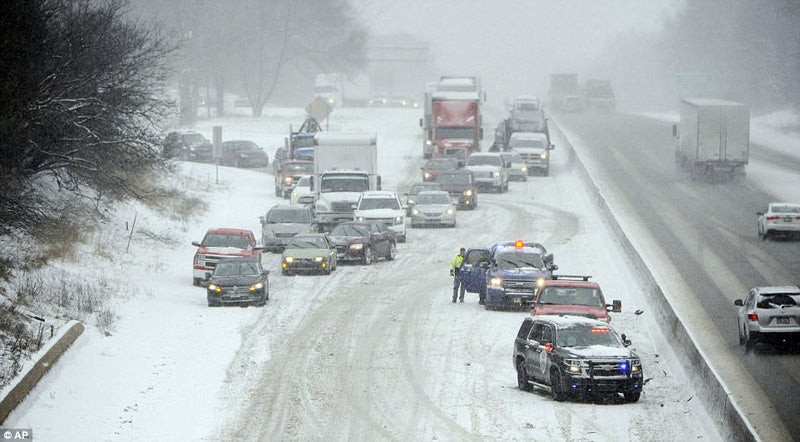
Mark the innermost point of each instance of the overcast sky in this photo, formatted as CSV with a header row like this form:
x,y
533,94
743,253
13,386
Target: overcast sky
x,y
515,44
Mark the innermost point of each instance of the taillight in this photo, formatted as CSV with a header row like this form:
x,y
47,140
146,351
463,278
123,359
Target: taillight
x,y
752,316
771,218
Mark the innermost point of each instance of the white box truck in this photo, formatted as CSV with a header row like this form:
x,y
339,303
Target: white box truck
x,y
345,164
713,138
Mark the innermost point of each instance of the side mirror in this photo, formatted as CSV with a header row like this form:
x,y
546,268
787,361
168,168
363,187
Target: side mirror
x,y
552,146
405,206
675,130
420,122
553,267
625,341
196,244
208,276
615,306
262,219
259,248
738,302
759,213
353,206
484,265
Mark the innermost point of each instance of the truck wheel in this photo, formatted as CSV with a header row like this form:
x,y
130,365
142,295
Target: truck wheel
x,y
632,396
556,392
522,377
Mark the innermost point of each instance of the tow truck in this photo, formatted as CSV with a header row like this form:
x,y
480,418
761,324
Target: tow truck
x,y
505,275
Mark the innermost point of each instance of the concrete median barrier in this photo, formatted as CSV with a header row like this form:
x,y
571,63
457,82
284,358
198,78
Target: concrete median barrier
x,y
47,358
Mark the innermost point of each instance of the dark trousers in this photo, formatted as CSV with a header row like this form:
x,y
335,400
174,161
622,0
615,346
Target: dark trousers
x,y
457,282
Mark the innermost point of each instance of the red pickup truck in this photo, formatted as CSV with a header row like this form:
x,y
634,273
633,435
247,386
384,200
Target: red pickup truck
x,y
221,243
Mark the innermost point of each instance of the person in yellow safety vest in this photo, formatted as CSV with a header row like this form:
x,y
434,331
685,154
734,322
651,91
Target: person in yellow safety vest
x,y
455,269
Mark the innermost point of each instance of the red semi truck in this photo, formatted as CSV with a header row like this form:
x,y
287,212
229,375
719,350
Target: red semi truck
x,y
456,124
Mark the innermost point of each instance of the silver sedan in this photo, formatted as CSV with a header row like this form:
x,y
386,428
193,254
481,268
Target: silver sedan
x,y
433,208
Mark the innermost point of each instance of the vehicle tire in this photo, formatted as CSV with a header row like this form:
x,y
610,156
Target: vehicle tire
x,y
749,342
196,282
761,235
236,163
390,255
403,238
277,191
366,258
556,391
632,396
212,304
285,272
546,172
328,269
522,377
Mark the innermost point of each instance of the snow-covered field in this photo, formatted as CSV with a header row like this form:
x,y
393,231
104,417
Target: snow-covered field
x,y
367,353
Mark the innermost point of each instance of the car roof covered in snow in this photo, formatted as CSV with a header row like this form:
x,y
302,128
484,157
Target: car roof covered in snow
x,y
344,138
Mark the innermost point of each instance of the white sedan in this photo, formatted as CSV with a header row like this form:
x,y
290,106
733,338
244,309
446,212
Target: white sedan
x,y
779,219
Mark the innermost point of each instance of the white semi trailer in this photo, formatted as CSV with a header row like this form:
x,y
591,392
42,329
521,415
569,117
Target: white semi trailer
x,y
713,138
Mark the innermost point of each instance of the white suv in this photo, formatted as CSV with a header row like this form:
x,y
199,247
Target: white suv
x,y
382,206
488,171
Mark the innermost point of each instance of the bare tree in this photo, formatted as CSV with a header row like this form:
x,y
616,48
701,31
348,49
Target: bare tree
x,y
86,122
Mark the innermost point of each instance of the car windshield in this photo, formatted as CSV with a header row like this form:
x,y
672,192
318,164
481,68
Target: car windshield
x,y
785,209
304,182
516,260
223,240
435,198
512,158
307,242
528,143
288,216
239,146
440,165
484,160
777,300
304,140
455,133
344,183
350,230
378,203
236,268
527,106
448,178
585,336
588,296
305,168
417,188
194,138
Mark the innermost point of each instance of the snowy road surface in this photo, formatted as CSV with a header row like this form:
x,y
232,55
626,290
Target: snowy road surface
x,y
368,353
708,234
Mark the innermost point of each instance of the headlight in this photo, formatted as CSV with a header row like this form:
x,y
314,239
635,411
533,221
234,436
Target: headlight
x,y
257,286
199,260
496,174
404,104
288,259
540,282
415,211
318,258
398,220
450,211
524,168
330,100
410,202
636,365
543,156
358,246
429,142
427,175
359,218
496,281
287,180
294,194
214,288
573,365
468,192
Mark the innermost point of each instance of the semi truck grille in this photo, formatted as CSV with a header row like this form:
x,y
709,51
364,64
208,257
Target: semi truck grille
x,y
342,206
